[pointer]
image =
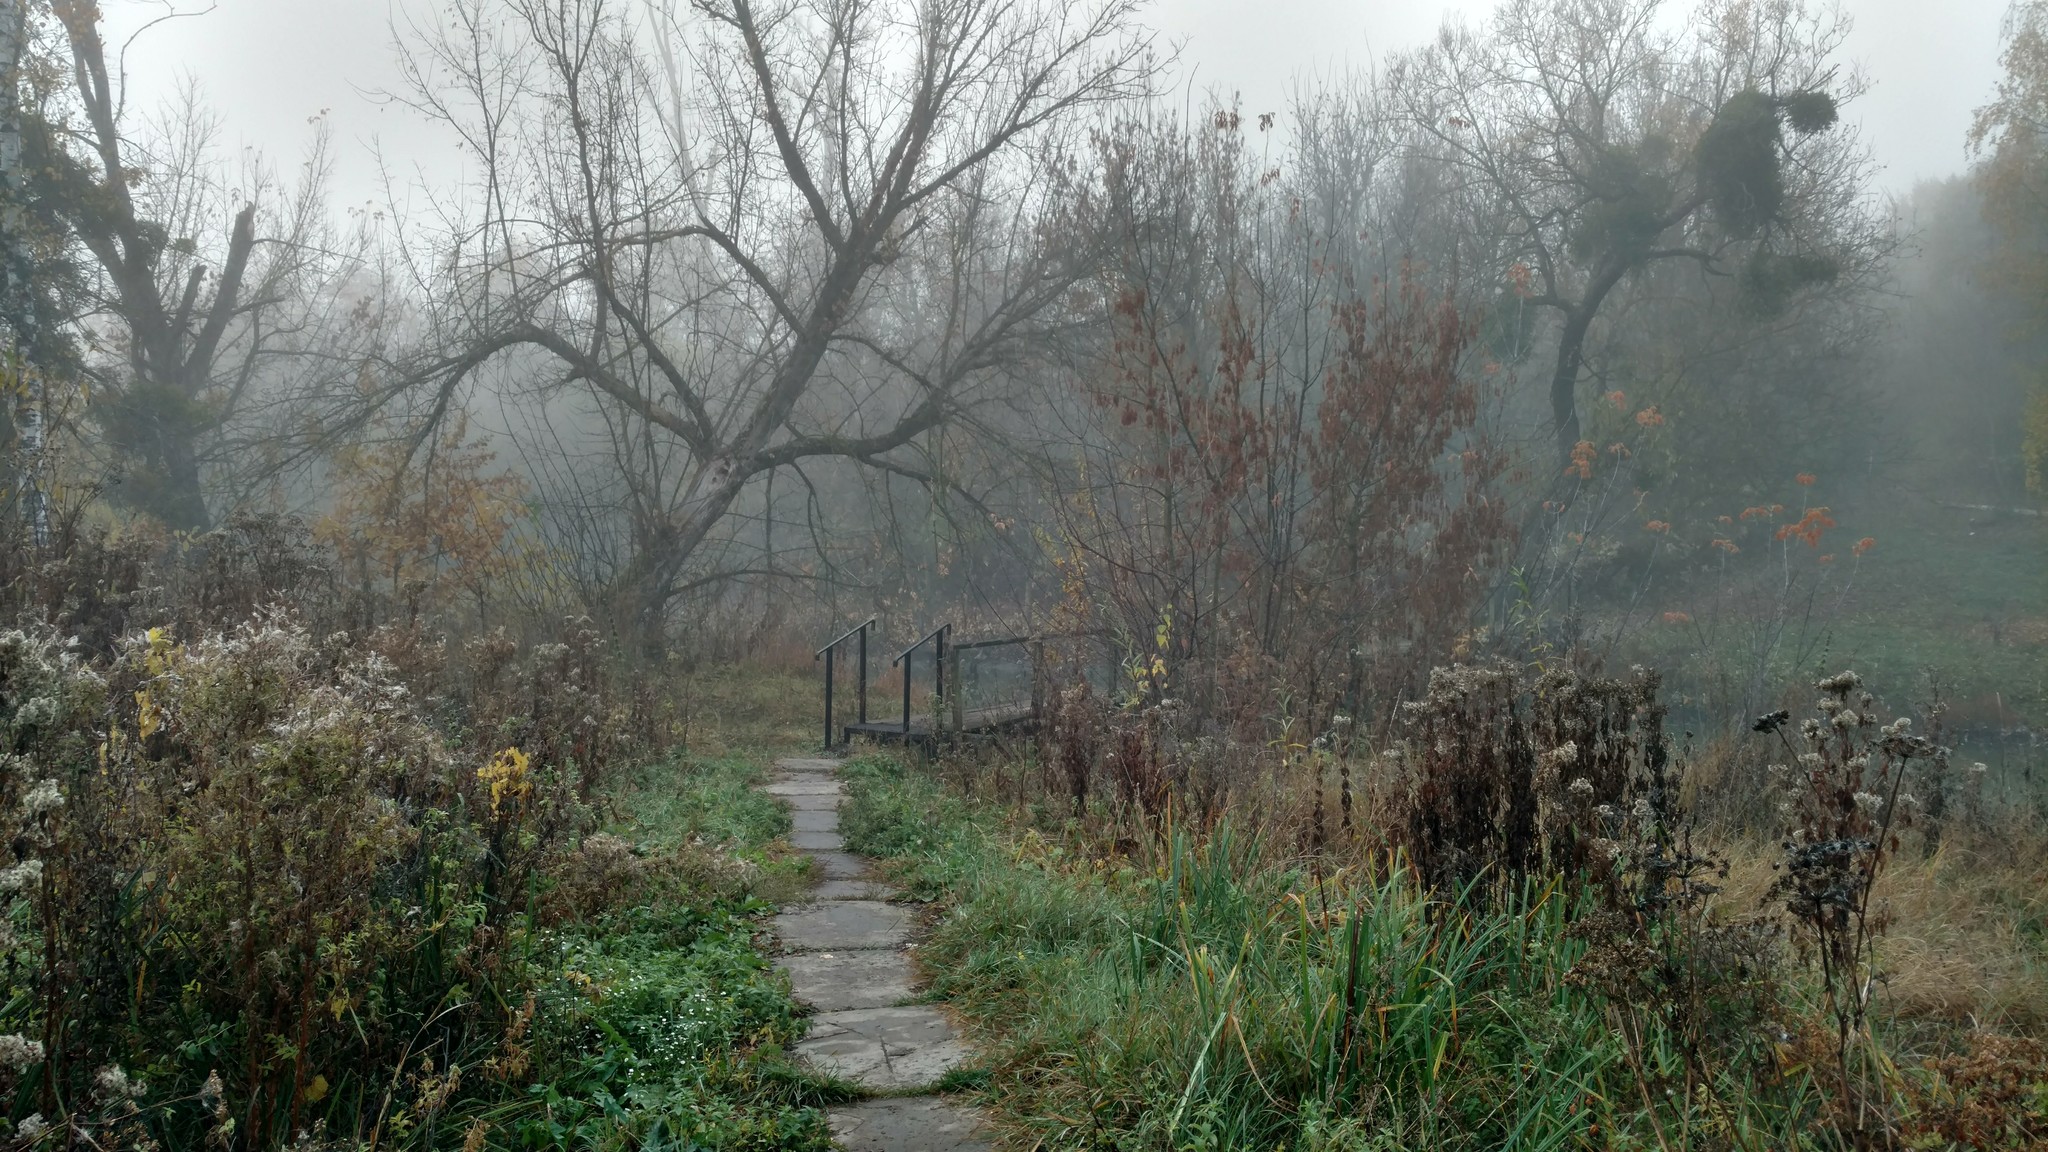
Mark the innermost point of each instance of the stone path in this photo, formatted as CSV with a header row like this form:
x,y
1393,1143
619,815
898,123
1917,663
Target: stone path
x,y
846,955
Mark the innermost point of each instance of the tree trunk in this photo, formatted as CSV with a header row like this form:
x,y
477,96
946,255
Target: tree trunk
x,y
1571,356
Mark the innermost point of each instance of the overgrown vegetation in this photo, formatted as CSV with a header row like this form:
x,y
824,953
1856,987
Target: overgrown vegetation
x,y
1532,942
273,884
398,607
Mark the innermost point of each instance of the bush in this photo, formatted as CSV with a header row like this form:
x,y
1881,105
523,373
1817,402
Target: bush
x,y
260,885
262,877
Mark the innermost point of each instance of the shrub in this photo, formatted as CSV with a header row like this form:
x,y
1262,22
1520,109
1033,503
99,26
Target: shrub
x,y
252,881
1845,804
1513,780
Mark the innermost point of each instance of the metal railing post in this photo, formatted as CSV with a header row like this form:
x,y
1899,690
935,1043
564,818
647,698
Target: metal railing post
x,y
907,659
831,658
953,693
906,694
1037,679
939,680
830,655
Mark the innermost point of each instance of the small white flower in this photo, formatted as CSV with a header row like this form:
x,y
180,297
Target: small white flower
x,y
1841,683
1869,801
22,875
1580,787
38,712
42,797
115,1082
33,1127
18,1051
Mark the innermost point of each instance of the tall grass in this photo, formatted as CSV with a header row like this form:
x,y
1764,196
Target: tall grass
x,y
1198,993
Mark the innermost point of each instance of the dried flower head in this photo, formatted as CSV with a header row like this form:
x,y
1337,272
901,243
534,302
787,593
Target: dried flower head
x,y
17,1051
1841,683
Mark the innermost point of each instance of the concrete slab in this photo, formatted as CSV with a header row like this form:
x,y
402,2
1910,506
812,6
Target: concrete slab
x,y
843,925
806,786
813,803
851,890
909,1124
818,841
884,1048
807,764
838,981
813,820
841,865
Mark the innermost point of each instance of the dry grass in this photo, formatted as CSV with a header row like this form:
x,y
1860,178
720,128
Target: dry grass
x,y
753,708
1967,942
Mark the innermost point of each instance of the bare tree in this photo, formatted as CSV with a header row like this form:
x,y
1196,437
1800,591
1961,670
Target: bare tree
x,y
1270,470
209,291
1590,145
717,242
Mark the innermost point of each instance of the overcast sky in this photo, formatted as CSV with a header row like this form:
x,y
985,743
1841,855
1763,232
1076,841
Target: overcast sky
x,y
269,65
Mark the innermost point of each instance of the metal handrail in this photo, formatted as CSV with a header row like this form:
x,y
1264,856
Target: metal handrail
x,y
921,643
843,636
938,671
995,642
946,675
830,654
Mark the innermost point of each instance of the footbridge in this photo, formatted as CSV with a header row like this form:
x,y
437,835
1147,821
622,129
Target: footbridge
x,y
941,685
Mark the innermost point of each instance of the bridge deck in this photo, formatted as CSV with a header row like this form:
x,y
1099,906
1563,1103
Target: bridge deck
x,y
989,718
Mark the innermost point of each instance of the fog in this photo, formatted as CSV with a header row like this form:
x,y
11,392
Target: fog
x,y
1343,340
1383,575
269,65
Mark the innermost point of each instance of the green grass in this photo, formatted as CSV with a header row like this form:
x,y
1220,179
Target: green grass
x,y
1960,596
1947,603
671,1034
713,802
661,1024
1199,998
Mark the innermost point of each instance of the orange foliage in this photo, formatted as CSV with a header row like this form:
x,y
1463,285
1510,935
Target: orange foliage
x,y
439,513
1809,528
1582,460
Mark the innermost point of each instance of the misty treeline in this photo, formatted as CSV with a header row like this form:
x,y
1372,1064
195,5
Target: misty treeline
x,y
745,317
357,558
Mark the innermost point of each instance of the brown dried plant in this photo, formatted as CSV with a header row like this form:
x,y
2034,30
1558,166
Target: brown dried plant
x,y
1845,804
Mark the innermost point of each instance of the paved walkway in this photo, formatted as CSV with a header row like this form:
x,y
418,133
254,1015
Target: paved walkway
x,y
845,953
